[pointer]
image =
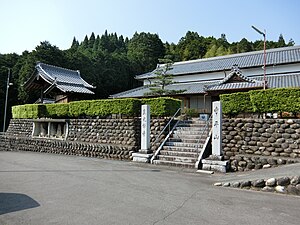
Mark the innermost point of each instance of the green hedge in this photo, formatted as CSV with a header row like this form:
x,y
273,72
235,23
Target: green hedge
x,y
130,106
28,111
163,106
59,110
276,100
233,104
262,101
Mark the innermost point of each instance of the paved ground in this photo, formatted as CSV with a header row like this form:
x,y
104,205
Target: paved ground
x,y
51,189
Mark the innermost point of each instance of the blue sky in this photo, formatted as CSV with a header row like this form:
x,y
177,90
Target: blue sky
x,y
24,23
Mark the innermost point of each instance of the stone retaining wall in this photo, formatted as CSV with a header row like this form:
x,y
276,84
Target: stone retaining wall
x,y
105,131
105,138
260,143
20,127
10,143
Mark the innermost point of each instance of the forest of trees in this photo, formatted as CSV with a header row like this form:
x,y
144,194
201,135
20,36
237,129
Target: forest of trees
x,y
110,62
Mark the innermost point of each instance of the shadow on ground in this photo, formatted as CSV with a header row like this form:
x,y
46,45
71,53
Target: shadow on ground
x,y
12,202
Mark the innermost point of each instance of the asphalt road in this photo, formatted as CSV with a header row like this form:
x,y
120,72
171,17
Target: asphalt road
x,y
42,189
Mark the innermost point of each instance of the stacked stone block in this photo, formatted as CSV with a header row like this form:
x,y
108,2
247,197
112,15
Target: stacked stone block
x,y
105,131
260,143
19,127
103,138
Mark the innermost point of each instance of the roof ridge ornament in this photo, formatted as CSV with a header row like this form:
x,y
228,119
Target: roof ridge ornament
x,y
235,68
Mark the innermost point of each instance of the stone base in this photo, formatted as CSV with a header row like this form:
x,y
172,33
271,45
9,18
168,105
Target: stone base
x,y
215,163
145,151
141,157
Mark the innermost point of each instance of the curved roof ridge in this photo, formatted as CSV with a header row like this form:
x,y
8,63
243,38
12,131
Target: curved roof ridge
x,y
237,55
243,60
58,67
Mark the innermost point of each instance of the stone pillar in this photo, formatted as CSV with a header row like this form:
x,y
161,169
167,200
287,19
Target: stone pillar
x,y
145,128
144,154
215,161
59,130
217,129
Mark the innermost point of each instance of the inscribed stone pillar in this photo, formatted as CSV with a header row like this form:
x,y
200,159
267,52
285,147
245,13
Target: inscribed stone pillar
x,y
145,128
144,155
217,129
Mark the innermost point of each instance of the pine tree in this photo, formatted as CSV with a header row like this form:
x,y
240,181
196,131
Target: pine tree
x,y
92,40
163,79
96,44
85,43
291,42
281,41
75,43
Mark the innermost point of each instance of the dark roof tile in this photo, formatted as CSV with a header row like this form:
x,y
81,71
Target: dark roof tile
x,y
243,60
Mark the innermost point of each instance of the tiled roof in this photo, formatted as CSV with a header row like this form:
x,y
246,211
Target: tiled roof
x,y
73,88
64,79
190,88
243,60
235,86
282,81
273,81
231,82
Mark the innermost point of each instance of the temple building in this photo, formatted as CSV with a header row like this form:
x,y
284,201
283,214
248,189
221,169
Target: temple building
x,y
203,80
57,84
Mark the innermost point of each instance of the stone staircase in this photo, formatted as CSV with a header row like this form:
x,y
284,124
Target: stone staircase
x,y
183,147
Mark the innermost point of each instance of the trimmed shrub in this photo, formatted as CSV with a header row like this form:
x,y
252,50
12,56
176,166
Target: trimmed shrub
x,y
191,112
233,104
276,100
59,110
262,101
79,108
128,106
163,106
29,111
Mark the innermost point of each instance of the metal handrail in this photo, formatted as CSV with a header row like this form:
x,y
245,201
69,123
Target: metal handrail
x,y
206,128
167,125
163,143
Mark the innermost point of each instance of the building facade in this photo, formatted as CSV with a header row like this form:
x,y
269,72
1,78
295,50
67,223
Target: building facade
x,y
205,79
57,84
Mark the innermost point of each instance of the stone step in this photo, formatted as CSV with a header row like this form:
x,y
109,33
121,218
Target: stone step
x,y
191,136
188,132
183,144
177,153
176,164
197,121
183,140
177,158
196,125
181,149
190,128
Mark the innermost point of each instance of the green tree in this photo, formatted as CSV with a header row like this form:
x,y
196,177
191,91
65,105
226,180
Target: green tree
x,y
281,41
75,43
85,43
291,42
96,44
192,46
211,51
221,51
91,40
244,46
144,50
162,80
